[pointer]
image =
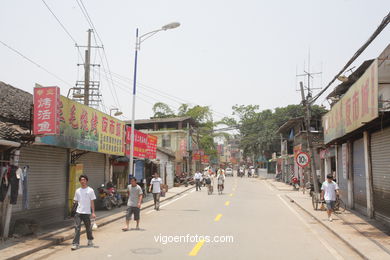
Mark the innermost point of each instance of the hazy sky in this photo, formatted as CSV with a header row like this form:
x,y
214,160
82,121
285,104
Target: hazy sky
x,y
225,52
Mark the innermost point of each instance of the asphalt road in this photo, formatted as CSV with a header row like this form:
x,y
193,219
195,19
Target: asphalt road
x,y
250,221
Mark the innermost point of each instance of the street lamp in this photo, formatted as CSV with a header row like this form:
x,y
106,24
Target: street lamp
x,y
117,113
138,41
75,95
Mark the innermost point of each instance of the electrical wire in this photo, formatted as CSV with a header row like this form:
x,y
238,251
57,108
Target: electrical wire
x,y
35,63
381,27
96,34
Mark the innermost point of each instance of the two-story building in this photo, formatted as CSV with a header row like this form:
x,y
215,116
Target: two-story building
x,y
358,126
293,139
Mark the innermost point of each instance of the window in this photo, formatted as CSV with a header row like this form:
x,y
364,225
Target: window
x,y
166,141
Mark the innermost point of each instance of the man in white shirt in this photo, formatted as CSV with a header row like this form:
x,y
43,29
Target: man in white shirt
x,y
155,188
135,193
85,197
198,179
329,191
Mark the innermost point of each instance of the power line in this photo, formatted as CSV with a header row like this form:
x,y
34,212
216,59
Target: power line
x,y
380,28
64,28
90,22
58,20
35,63
164,94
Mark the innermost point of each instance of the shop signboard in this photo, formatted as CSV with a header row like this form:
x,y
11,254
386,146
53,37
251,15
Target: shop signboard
x,y
358,106
46,113
85,128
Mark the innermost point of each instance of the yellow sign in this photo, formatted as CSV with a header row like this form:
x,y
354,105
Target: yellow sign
x,y
85,128
75,171
358,106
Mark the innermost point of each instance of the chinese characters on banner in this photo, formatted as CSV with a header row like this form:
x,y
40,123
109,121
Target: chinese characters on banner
x,y
46,112
85,128
359,105
152,147
140,143
145,145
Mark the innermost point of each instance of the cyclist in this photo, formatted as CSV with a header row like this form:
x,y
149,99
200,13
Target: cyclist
x,y
329,191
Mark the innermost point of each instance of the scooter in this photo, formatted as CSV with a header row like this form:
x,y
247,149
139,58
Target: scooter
x,y
109,197
295,183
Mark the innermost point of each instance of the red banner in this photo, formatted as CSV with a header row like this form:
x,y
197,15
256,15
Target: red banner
x,y
46,110
151,147
197,155
145,146
205,159
140,143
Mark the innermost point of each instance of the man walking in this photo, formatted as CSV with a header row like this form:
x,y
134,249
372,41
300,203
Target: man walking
x,y
85,197
134,193
329,191
155,188
198,179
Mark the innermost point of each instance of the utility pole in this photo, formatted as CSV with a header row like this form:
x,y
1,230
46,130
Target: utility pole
x,y
87,66
87,90
306,103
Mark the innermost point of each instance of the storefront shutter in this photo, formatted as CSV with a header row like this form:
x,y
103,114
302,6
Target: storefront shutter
x,y
47,186
93,164
380,154
359,177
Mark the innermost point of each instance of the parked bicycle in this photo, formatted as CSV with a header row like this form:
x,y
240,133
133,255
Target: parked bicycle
x,y
339,205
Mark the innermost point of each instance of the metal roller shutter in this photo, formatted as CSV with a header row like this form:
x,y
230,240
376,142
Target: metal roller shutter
x,y
380,153
342,182
359,177
94,164
46,184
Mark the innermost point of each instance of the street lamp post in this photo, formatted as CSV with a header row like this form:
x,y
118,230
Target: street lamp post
x,y
138,41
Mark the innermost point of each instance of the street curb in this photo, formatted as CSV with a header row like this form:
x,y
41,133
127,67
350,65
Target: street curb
x,y
328,228
58,240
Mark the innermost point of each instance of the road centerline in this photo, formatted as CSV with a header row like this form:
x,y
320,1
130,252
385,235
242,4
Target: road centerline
x,y
196,248
218,217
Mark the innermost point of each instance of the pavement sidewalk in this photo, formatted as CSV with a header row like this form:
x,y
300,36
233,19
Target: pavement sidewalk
x,y
356,231
18,249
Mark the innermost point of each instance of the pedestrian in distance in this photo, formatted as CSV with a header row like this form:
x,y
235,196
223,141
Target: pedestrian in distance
x,y
84,197
198,179
135,194
329,192
155,188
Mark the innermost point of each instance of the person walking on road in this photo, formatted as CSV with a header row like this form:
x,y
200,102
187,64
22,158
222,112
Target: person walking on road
x,y
135,194
329,191
221,180
155,188
198,179
84,197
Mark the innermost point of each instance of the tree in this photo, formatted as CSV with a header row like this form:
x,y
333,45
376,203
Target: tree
x,y
202,115
258,128
162,110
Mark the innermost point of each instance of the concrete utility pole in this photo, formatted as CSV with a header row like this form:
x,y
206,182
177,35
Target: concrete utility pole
x,y
306,103
87,66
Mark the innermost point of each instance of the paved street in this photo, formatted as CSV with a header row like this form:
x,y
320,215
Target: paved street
x,y
263,224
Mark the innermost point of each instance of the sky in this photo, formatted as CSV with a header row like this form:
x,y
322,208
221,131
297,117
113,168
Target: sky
x,y
224,53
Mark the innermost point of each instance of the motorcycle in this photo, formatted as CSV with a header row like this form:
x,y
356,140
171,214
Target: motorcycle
x,y
109,197
295,182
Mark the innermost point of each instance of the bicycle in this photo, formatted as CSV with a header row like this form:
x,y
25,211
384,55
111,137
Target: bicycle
x,y
339,205
315,200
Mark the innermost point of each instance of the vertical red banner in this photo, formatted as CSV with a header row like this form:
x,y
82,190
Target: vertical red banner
x,y
152,147
46,110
